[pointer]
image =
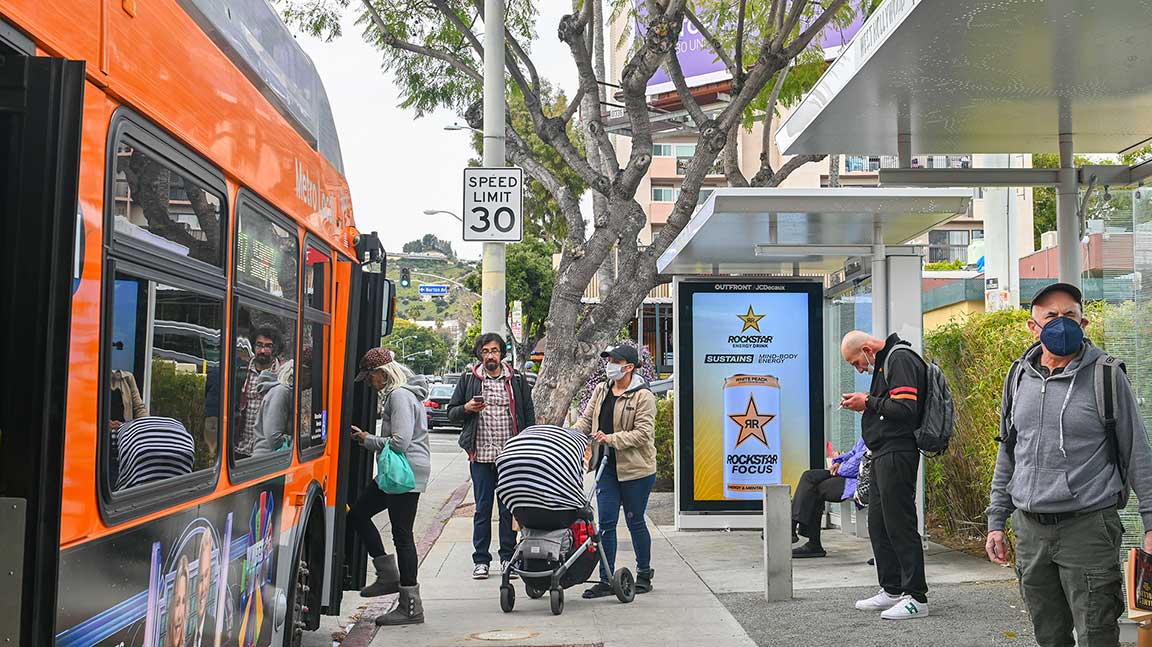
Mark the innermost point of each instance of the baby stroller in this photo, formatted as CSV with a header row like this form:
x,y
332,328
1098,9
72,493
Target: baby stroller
x,y
549,561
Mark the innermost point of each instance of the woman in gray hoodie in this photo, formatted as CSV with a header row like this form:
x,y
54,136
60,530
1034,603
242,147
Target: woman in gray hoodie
x,y
404,428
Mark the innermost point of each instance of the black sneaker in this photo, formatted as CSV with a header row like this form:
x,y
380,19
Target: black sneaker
x,y
808,551
598,590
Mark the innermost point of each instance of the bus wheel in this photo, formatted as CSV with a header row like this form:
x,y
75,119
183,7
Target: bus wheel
x,y
299,601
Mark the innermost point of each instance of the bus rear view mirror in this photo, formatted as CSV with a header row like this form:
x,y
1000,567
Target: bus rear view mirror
x,y
389,309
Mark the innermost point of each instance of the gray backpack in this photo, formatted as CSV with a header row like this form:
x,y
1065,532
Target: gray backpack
x,y
938,413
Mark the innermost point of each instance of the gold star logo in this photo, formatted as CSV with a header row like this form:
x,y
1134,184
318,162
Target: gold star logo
x,y
752,423
751,320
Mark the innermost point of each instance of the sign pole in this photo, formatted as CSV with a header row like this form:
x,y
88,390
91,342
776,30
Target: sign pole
x,y
492,278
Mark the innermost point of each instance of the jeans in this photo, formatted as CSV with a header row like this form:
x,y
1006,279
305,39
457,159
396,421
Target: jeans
x,y
611,494
484,491
402,513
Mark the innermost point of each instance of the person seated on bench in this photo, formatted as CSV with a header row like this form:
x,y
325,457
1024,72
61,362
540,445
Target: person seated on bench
x,y
838,483
540,477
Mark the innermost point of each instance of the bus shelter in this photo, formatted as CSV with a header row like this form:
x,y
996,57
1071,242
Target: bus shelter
x,y
766,282
993,77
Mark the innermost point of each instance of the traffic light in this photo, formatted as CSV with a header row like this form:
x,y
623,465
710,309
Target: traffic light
x,y
405,277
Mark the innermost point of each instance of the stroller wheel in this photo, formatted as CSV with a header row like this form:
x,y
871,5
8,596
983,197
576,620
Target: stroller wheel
x,y
624,585
556,597
507,598
534,592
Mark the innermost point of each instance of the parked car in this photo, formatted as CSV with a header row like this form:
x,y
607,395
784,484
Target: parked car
x,y
661,388
451,378
437,405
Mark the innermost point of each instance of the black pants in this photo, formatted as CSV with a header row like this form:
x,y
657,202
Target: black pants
x,y
892,525
814,489
402,513
544,519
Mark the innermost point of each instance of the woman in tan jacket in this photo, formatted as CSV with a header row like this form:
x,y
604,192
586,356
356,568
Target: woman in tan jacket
x,y
621,419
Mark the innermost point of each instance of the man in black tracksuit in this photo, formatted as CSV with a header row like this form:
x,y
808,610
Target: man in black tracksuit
x,y
892,411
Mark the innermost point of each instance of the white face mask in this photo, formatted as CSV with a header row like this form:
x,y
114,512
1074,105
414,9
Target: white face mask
x,y
871,367
613,372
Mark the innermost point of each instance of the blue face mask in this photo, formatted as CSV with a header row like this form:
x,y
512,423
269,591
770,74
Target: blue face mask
x,y
1062,336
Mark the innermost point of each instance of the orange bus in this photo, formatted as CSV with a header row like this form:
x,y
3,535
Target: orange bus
x,y
185,296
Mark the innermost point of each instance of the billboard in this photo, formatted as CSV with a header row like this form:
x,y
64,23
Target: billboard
x,y
700,64
750,379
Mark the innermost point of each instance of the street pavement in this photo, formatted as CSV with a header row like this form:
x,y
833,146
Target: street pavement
x,y
708,591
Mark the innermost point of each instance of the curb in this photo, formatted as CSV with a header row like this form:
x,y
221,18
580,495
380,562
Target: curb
x,y
364,631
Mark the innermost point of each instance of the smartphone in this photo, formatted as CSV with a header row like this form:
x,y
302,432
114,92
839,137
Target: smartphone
x,y
478,398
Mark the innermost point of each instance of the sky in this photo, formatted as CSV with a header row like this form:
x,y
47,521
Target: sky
x,y
396,165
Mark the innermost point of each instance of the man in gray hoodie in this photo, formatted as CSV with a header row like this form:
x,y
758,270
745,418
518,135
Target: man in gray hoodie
x,y
1064,468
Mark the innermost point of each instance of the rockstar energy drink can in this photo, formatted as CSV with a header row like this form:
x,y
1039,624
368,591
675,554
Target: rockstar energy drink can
x,y
751,435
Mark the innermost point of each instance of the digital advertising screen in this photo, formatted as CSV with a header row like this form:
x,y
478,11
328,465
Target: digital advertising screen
x,y
750,388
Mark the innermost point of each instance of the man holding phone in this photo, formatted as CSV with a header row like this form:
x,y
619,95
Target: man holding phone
x,y
492,403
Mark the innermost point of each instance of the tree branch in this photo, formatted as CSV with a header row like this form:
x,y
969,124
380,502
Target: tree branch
x,y
391,41
738,73
802,41
769,115
769,179
789,24
715,44
732,160
465,30
672,67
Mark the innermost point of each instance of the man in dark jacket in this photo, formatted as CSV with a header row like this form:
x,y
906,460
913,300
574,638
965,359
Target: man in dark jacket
x,y
492,403
892,412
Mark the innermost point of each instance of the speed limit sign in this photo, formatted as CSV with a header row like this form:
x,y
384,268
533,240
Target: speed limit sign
x,y
493,204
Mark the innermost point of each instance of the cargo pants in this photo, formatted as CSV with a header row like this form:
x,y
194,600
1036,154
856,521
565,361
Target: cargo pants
x,y
1070,577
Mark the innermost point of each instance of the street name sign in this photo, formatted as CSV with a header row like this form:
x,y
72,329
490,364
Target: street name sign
x,y
493,204
434,290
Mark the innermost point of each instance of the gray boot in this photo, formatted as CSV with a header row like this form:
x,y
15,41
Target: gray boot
x,y
409,609
387,577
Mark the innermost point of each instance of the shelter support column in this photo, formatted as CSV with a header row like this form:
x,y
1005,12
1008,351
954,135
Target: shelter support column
x,y
905,318
879,283
1067,218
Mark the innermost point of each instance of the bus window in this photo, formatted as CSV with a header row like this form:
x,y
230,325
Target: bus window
x,y
156,204
164,359
317,270
266,255
313,416
263,397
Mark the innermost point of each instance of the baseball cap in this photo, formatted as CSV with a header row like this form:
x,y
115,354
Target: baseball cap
x,y
372,360
624,354
1066,288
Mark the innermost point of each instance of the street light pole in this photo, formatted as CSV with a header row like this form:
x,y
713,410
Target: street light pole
x,y
433,212
492,278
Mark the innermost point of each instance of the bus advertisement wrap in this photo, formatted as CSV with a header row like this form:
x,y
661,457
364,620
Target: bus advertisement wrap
x,y
203,578
750,366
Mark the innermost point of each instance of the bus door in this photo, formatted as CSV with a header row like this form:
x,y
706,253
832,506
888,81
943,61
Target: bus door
x,y
40,119
372,309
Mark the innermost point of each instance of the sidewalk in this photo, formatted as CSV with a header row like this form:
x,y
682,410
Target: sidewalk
x,y
708,591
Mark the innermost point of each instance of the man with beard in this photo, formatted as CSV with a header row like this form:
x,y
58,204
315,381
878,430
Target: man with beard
x,y
266,345
492,403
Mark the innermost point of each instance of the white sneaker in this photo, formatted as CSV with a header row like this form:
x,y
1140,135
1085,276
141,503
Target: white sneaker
x,y
879,602
906,609
480,572
504,566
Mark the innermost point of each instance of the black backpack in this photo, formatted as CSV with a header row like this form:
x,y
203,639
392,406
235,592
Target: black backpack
x,y
938,415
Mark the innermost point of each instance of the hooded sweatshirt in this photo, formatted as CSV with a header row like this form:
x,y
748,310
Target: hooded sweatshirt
x,y
1062,460
404,427
274,422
